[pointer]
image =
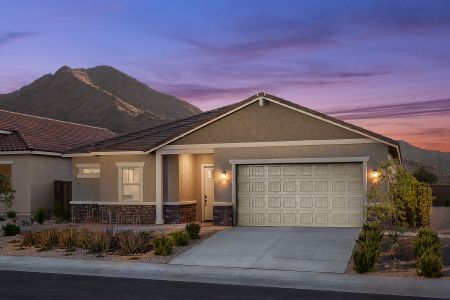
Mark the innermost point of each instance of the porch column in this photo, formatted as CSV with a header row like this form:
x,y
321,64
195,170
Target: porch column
x,y
159,188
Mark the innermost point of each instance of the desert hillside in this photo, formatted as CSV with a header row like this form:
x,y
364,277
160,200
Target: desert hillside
x,y
100,96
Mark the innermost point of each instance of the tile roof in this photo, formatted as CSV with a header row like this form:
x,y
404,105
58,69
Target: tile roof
x,y
32,133
148,139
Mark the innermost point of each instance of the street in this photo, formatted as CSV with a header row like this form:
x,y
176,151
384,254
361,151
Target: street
x,y
24,285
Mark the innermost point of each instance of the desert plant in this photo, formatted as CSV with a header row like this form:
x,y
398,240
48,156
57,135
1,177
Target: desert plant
x,y
193,230
101,241
429,264
180,238
130,242
370,232
30,239
162,245
26,222
399,198
427,243
39,216
68,238
10,229
7,194
48,239
11,214
365,255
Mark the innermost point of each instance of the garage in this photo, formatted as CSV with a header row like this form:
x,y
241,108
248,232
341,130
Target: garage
x,y
315,194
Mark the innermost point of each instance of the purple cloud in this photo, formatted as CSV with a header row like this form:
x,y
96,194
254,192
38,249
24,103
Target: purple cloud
x,y
11,36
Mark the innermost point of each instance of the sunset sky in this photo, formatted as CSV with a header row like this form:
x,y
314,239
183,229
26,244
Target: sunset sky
x,y
384,65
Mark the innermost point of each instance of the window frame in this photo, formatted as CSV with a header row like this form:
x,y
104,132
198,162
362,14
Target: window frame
x,y
87,166
121,166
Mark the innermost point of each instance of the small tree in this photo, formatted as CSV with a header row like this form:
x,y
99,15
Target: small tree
x,y
426,176
7,194
400,199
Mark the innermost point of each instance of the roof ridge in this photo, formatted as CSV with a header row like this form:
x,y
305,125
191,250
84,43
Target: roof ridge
x,y
54,120
25,141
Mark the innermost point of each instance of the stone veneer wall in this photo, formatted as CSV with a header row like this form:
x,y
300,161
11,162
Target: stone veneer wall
x,y
114,214
177,214
223,215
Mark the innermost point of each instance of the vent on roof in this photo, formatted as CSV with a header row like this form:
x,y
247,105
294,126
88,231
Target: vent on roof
x,y
262,102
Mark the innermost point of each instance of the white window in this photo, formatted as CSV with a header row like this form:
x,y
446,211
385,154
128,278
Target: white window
x,y
130,181
88,170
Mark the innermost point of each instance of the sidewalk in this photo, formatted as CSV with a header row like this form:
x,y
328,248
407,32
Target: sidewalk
x,y
237,276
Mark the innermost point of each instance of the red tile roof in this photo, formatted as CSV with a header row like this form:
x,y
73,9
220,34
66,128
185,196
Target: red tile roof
x,y
32,133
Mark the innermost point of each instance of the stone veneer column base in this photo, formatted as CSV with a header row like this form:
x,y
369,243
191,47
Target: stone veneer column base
x,y
113,214
223,215
180,213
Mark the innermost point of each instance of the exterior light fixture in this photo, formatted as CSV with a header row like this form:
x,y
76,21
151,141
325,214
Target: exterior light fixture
x,y
375,174
224,175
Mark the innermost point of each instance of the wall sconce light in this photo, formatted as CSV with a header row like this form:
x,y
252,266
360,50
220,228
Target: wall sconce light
x,y
375,174
224,175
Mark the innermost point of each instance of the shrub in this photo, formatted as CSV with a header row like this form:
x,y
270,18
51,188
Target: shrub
x,y
193,230
48,239
11,214
10,229
429,264
365,255
370,232
162,245
180,238
426,243
39,216
30,239
100,241
130,242
68,238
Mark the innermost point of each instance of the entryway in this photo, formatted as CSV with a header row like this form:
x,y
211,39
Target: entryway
x,y
276,248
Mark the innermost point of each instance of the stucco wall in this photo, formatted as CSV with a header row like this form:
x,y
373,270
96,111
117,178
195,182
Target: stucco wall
x,y
272,122
186,178
44,170
223,187
170,177
107,185
33,179
85,189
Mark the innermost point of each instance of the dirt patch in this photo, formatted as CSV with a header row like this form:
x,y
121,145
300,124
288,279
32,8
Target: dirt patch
x,y
401,262
11,246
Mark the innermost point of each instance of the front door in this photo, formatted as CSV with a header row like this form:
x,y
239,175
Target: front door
x,y
208,193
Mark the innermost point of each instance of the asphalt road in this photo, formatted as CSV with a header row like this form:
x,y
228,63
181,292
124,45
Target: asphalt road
x,y
24,285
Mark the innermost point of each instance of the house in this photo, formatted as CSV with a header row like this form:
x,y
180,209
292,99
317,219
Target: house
x,y
31,155
262,161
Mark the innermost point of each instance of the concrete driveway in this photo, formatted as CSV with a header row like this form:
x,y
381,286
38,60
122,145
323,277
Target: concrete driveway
x,y
276,248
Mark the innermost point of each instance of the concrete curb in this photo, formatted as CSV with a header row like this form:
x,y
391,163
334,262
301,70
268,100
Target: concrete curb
x,y
236,276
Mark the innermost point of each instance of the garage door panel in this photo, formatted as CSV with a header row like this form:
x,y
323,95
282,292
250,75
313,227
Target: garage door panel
x,y
300,195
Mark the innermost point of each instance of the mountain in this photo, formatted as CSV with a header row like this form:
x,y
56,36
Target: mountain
x,y
435,161
101,96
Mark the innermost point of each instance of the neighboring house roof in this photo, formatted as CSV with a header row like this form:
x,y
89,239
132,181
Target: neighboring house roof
x,y
151,139
22,132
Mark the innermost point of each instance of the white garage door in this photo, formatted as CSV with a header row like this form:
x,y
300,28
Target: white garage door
x,y
326,195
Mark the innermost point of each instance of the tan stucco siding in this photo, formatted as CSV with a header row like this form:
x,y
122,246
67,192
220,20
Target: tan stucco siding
x,y
85,189
108,184
223,188
267,123
186,177
33,179
171,178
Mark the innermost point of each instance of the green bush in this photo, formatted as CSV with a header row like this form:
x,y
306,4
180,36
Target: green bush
x,y
162,245
10,229
365,255
429,264
180,238
370,232
426,243
39,216
130,242
11,214
193,230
